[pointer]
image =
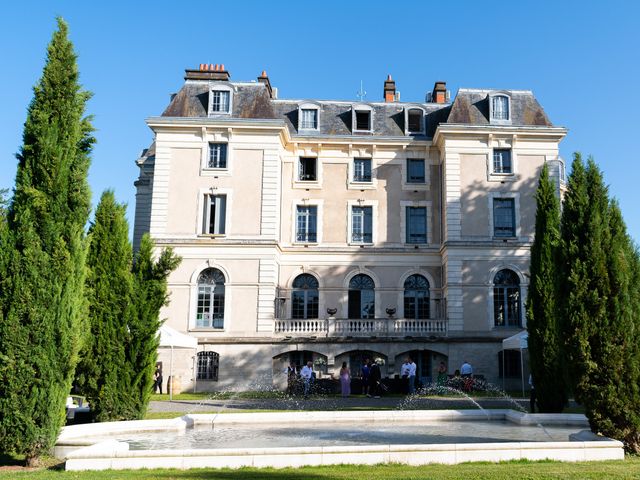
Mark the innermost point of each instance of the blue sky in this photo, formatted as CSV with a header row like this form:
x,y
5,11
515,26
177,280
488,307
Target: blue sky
x,y
581,59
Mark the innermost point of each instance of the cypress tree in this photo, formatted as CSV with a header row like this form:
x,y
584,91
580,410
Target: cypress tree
x,y
613,399
542,320
150,294
102,374
601,308
573,281
43,303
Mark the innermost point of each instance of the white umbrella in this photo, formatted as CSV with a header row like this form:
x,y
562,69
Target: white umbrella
x,y
174,339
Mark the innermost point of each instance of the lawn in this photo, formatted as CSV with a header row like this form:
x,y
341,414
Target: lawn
x,y
627,469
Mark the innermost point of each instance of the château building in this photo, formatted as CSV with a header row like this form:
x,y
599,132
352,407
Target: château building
x,y
334,231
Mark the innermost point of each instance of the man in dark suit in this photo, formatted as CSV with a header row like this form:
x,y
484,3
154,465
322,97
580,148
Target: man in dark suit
x,y
374,380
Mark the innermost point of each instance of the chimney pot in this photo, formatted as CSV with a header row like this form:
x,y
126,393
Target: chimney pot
x,y
439,94
389,90
263,78
208,71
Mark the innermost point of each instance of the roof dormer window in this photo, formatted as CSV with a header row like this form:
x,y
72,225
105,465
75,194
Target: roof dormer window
x,y
500,108
219,100
414,121
308,117
362,118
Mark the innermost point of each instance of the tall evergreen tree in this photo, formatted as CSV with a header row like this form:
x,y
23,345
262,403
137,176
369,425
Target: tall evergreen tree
x,y
150,286
573,280
613,396
43,303
102,374
602,309
542,316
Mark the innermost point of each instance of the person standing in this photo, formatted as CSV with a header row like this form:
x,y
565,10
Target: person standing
x,y
412,376
532,395
442,378
467,376
404,375
307,374
292,376
345,380
466,370
366,370
158,380
374,380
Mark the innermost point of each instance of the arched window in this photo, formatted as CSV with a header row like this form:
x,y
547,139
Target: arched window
x,y
416,297
362,297
208,363
304,297
500,107
210,308
506,299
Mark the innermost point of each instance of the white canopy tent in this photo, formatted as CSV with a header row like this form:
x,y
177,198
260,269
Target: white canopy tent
x,y
170,338
519,341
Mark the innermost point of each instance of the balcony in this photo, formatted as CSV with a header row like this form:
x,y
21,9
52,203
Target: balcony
x,y
324,305
376,327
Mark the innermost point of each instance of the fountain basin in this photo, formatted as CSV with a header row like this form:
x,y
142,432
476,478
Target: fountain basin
x,y
355,437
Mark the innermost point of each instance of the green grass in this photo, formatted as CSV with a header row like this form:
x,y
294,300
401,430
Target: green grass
x,y
219,395
627,469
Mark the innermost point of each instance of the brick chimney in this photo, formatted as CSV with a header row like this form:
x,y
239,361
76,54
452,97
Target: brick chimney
x,y
264,78
439,94
208,71
389,90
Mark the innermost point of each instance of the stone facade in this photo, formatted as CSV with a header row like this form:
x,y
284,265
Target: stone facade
x,y
280,209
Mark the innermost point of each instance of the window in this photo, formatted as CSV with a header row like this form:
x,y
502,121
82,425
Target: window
x,y
215,208
308,119
361,169
509,364
506,299
304,297
220,101
414,120
217,155
363,120
210,307
416,298
362,224
361,297
504,223
500,107
416,224
307,171
306,223
502,160
415,170
208,363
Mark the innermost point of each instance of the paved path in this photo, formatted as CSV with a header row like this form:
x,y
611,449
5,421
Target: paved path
x,y
334,403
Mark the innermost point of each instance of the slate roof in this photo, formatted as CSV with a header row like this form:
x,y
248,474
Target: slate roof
x,y
252,100
472,107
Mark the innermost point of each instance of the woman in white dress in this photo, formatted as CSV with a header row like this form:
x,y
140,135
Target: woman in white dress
x,y
345,380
